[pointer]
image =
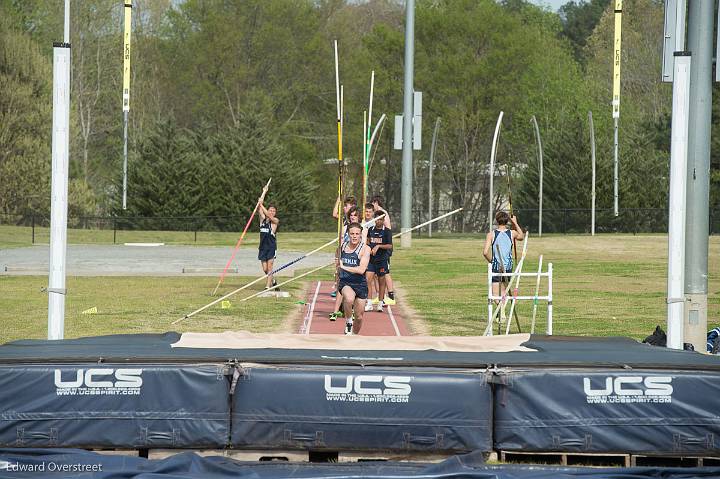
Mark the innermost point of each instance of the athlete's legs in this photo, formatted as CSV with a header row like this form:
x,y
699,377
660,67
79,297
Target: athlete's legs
x,y
389,283
359,308
268,267
338,300
372,292
382,280
348,297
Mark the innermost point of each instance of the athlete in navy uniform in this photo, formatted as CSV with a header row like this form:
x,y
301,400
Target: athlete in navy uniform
x,y
379,240
377,202
349,202
351,217
354,258
268,240
498,249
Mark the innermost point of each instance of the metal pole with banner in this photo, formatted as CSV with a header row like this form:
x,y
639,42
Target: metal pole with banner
x,y
617,48
126,93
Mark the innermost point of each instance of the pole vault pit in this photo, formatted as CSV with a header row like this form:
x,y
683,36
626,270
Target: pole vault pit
x,y
338,395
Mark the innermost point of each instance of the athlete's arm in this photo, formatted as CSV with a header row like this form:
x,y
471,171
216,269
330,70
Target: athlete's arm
x,y
386,220
517,230
262,212
387,241
364,260
487,250
337,207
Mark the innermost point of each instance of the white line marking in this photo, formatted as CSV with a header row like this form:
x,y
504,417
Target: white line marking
x,y
309,316
392,320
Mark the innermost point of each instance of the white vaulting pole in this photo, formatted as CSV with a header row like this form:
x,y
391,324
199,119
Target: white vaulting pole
x,y
592,192
517,284
540,167
492,171
59,185
126,94
677,201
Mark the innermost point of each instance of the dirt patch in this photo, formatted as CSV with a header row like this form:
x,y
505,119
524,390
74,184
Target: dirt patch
x,y
294,319
413,320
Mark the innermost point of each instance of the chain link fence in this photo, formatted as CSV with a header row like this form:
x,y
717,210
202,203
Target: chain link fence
x,y
563,221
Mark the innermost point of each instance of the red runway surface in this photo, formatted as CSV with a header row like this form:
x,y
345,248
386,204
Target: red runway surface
x,y
319,304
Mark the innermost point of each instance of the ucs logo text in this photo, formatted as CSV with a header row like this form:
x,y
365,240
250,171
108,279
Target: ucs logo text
x,y
631,386
370,385
101,378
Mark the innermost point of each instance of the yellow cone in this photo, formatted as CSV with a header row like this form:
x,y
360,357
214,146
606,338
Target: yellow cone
x,y
92,310
225,304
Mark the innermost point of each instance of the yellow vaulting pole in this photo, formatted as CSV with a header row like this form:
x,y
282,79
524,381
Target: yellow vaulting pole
x,y
617,51
126,93
338,96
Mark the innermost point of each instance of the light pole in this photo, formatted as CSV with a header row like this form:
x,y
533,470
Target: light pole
x,y
407,146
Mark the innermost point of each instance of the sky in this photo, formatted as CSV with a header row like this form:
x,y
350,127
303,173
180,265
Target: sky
x,y
554,5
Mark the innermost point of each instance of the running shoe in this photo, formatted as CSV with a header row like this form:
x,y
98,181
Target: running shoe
x,y
334,316
333,294
348,329
375,300
379,307
368,306
390,299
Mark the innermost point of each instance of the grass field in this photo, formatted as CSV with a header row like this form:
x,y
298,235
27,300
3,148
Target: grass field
x,y
604,285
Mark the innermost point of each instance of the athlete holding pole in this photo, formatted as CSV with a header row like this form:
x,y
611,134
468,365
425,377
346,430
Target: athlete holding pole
x,y
268,239
242,236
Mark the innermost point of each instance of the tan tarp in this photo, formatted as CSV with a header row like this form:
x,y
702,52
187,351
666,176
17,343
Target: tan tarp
x,y
247,340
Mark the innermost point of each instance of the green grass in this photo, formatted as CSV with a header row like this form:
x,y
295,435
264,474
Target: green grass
x,y
20,236
603,285
137,305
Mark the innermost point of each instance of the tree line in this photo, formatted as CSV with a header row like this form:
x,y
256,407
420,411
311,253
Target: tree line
x,y
225,94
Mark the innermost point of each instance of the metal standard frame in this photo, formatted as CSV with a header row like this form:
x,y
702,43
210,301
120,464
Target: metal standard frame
x,y
547,297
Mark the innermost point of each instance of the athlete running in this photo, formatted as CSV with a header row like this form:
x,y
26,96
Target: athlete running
x,y
354,258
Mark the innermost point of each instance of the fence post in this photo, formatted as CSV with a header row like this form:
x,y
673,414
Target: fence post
x,y
33,228
565,221
114,230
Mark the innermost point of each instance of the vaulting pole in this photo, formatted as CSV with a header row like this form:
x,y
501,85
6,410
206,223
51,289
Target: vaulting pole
x,y
507,175
540,167
368,141
491,201
430,173
592,193
242,236
339,102
518,272
379,126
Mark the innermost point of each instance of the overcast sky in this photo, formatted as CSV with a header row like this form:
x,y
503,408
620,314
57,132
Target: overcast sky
x,y
554,5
